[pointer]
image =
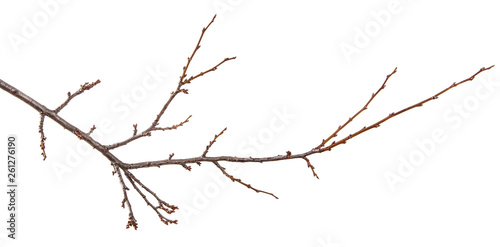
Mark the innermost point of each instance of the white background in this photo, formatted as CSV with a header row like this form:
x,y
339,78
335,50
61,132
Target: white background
x,y
289,59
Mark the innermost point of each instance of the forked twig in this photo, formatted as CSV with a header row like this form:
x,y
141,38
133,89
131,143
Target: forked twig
x,y
355,115
393,114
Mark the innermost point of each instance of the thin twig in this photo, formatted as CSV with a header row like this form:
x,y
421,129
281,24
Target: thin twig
x,y
175,126
391,115
91,130
212,142
309,165
206,71
132,222
83,88
120,166
147,132
223,170
181,78
361,110
169,209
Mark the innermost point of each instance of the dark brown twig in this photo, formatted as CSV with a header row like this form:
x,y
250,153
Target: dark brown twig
x,y
135,130
42,136
132,222
91,130
291,156
175,126
309,165
359,112
419,104
233,179
83,88
212,142
183,76
179,89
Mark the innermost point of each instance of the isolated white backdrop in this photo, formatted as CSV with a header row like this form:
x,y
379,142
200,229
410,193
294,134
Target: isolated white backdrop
x,y
290,59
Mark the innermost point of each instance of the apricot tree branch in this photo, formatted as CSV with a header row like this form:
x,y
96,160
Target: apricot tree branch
x,y
123,169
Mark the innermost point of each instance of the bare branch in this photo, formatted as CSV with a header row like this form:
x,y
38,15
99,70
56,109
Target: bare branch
x,y
175,126
147,132
309,165
134,136
391,115
135,130
179,89
186,67
42,136
83,88
206,71
223,170
291,156
355,115
163,207
131,219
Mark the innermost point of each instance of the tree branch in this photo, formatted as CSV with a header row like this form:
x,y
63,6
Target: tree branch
x,y
212,142
233,179
132,222
83,88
